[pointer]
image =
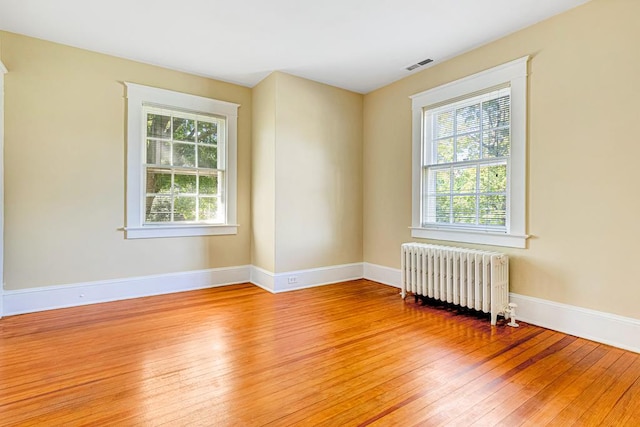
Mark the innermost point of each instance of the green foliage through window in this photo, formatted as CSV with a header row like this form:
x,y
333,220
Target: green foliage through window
x,y
466,180
183,169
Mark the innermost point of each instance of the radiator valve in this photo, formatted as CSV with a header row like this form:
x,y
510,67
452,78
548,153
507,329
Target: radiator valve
x,y
512,315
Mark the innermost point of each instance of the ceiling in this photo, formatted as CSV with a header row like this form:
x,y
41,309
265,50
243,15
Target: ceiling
x,y
358,45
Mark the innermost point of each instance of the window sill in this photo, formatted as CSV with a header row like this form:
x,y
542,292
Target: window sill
x,y
468,236
155,231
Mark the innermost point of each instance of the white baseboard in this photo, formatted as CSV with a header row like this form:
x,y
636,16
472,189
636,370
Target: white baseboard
x,y
381,274
606,328
1,300
52,297
618,331
61,296
262,278
301,279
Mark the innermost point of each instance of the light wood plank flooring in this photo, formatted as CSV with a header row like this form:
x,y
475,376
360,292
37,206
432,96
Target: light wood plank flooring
x,y
350,354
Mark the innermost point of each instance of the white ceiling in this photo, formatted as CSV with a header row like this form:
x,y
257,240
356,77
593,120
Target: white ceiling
x,y
358,45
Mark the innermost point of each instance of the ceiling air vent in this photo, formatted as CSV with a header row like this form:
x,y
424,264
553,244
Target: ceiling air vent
x,y
419,64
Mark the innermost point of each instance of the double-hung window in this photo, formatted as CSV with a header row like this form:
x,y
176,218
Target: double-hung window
x,y
469,159
184,176
181,164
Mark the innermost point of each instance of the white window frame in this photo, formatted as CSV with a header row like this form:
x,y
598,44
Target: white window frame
x,y
137,97
514,74
3,71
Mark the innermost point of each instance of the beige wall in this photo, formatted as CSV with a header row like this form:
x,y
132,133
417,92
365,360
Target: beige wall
x,y
318,175
318,192
583,198
307,175
263,174
65,176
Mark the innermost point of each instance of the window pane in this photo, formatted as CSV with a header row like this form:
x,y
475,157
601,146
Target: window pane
x,y
493,178
443,209
465,162
184,209
158,209
207,156
443,180
496,113
184,183
184,129
468,118
468,147
208,208
495,143
184,154
208,184
443,124
493,210
207,133
444,151
464,209
464,180
158,152
158,181
158,126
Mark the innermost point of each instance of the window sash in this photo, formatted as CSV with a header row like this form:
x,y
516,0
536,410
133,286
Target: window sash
x,y
169,168
432,214
430,195
174,193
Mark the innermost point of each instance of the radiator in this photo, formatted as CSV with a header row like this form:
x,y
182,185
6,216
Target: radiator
x,y
475,279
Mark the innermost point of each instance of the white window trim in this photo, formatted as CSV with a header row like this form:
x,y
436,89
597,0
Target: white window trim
x,y
3,71
514,73
136,96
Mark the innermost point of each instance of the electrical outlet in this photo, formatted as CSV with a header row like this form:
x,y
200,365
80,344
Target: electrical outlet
x,y
292,279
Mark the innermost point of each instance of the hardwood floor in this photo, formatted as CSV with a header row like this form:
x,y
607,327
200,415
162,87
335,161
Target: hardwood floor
x,y
347,354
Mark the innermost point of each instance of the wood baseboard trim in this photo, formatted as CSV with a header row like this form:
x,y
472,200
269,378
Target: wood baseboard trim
x,y
62,296
606,328
618,331
301,279
32,300
381,274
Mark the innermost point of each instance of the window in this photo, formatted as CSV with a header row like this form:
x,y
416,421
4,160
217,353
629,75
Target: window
x,y
464,171
181,154
469,160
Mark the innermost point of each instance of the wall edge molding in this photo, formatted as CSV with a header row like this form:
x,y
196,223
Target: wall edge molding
x,y
381,274
1,300
31,300
279,282
606,328
262,278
